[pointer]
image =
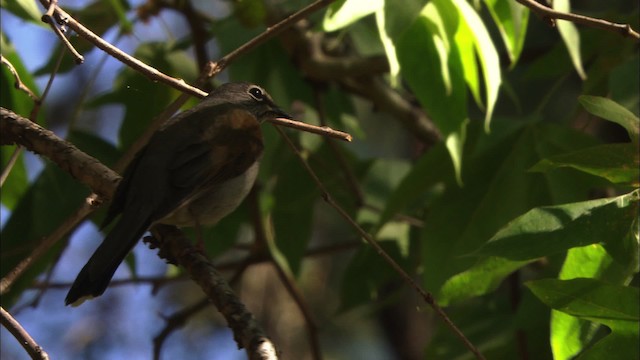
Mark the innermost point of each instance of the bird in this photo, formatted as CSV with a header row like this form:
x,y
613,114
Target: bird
x,y
196,169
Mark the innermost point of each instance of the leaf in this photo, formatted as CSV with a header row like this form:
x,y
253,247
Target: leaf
x,y
295,195
24,9
432,67
17,101
10,97
497,189
511,19
618,163
570,334
550,230
343,13
594,300
432,167
367,273
590,299
52,197
482,278
623,84
570,36
486,52
393,19
612,111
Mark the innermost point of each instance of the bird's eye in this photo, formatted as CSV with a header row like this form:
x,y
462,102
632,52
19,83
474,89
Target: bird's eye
x,y
256,93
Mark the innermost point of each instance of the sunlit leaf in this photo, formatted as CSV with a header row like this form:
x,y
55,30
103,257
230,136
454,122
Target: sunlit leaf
x,y
345,12
570,36
432,67
486,52
512,19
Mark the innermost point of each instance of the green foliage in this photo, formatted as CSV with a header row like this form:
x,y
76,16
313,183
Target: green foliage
x,y
532,191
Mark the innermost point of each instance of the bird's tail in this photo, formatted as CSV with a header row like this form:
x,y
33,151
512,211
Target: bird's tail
x,y
96,274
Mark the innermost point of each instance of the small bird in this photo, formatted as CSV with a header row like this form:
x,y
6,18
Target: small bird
x,y
195,170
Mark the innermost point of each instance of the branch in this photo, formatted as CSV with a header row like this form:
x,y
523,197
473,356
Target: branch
x,y
18,84
361,76
149,71
16,129
247,333
33,349
268,34
546,12
102,180
427,296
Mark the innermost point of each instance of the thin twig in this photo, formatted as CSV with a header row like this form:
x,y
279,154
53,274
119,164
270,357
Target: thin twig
x,y
18,83
321,130
549,13
33,349
427,296
176,321
269,33
347,170
149,71
48,18
10,164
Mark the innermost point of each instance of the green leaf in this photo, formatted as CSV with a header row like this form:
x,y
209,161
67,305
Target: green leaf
x,y
618,163
393,19
624,342
623,84
366,274
486,52
24,9
432,67
19,102
132,89
612,111
570,334
482,278
343,13
432,167
550,230
590,299
52,197
570,37
511,19
295,195
10,97
615,306
497,189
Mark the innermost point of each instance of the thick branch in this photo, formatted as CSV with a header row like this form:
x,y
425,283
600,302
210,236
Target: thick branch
x,y
102,180
16,129
246,330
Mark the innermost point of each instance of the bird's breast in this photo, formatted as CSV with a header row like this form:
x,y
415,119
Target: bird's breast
x,y
213,202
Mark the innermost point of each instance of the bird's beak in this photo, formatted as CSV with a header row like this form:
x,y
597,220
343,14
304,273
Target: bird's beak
x,y
276,112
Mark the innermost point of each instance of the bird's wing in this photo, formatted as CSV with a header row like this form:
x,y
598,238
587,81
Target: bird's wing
x,y
119,197
215,153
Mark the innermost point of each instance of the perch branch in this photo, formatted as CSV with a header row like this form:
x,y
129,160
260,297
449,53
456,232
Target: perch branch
x,y
33,349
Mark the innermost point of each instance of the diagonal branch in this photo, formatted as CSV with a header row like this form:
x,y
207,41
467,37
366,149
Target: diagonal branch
x,y
426,296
